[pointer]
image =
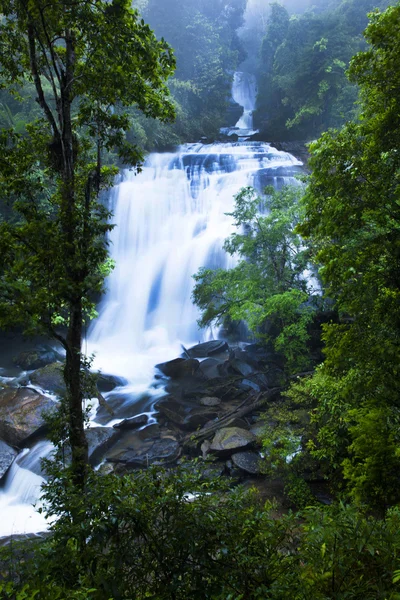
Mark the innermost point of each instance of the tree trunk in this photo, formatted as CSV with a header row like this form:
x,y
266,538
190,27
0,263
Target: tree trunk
x,y
73,380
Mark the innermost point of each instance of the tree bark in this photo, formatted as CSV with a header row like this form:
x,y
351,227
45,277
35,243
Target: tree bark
x,y
73,380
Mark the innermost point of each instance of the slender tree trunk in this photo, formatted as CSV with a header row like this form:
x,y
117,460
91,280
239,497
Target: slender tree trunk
x,y
73,375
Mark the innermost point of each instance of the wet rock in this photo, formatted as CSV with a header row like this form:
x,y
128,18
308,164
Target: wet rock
x,y
107,383
249,462
229,439
205,447
162,451
186,416
50,378
100,439
35,359
209,368
7,457
208,349
247,384
132,423
21,414
241,367
210,401
179,367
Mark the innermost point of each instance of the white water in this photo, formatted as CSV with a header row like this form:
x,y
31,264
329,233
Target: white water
x,y
170,220
21,491
244,92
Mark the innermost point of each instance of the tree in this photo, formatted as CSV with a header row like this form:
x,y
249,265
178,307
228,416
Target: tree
x,y
352,215
303,89
267,288
88,62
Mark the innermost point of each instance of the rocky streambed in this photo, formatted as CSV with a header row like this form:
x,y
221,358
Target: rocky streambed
x,y
214,395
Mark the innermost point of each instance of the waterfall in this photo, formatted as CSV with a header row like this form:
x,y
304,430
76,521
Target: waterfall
x,y
169,221
244,92
21,492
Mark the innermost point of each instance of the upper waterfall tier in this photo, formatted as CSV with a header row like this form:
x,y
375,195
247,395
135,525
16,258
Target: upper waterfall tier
x,y
244,93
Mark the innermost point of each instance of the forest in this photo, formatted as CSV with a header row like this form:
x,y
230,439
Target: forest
x,y
297,297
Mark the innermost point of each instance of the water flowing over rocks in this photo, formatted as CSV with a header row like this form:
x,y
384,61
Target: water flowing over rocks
x,y
50,378
170,220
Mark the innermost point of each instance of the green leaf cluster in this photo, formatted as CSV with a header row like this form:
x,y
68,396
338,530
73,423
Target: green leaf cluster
x,y
268,288
352,220
302,84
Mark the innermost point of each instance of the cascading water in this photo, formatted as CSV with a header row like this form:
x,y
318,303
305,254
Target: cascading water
x,y
244,92
21,491
169,221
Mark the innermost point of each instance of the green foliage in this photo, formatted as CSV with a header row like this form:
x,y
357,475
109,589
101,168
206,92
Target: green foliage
x,y
207,50
352,218
303,89
267,288
146,539
88,62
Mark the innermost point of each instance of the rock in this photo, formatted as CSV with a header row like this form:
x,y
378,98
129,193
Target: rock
x,y
241,367
99,439
50,378
205,447
213,472
228,439
247,384
107,383
35,359
186,416
21,414
179,367
208,349
163,451
7,457
132,422
209,368
210,401
249,462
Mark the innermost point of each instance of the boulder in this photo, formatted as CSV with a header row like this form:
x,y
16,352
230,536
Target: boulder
x,y
100,439
210,401
161,452
229,439
107,383
21,414
185,416
241,367
249,462
50,378
179,367
35,359
208,349
133,422
7,457
209,368
247,384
